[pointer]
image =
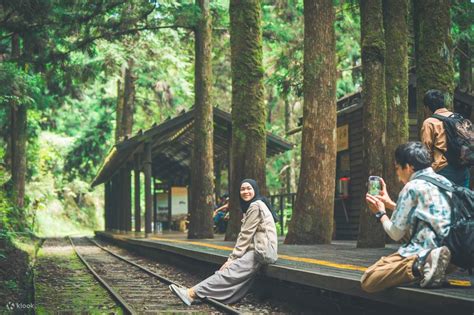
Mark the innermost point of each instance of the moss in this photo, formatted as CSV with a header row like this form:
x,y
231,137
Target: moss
x,y
15,271
248,108
202,168
64,284
434,60
396,82
372,39
374,111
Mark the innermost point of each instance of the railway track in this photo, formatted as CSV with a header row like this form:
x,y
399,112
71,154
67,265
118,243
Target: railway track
x,y
137,289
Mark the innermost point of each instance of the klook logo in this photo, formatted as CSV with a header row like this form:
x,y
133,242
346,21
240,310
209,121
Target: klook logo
x,y
12,305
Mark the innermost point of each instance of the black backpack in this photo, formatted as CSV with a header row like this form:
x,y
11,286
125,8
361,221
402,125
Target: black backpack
x,y
460,138
460,239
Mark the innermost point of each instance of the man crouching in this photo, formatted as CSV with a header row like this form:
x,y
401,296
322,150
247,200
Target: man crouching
x,y
421,257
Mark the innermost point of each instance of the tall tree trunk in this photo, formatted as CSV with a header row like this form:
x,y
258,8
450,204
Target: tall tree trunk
x,y
119,112
248,108
312,220
465,58
18,153
18,134
395,18
465,63
7,133
128,99
287,129
371,233
433,49
15,46
202,163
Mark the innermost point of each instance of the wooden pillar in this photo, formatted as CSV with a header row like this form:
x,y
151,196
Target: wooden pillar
x,y
115,213
218,171
112,205
155,208
105,207
169,207
107,204
118,218
128,199
148,196
138,223
229,167
123,202
110,209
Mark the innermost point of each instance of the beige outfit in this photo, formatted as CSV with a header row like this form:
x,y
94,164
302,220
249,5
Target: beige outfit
x,y
232,283
433,137
257,218
388,272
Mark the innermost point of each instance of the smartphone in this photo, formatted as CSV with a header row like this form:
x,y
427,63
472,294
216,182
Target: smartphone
x,y
374,185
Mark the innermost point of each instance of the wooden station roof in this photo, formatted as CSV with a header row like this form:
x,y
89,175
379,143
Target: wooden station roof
x,y
171,148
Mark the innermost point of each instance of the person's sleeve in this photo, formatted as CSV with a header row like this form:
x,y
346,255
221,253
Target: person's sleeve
x,y
247,232
392,231
404,210
427,135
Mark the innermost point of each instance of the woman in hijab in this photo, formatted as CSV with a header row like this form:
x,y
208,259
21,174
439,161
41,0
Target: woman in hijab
x,y
232,281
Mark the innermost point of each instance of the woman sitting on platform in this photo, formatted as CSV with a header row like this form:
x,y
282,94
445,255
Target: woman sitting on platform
x,y
232,281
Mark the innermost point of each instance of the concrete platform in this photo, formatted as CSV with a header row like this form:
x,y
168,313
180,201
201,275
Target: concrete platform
x,y
336,267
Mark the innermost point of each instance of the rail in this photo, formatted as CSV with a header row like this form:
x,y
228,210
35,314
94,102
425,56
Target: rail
x,y
216,304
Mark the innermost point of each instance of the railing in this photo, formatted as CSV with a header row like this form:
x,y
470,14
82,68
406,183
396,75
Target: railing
x,y
283,204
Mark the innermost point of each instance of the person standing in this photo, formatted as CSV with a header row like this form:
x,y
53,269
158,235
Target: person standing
x,y
232,281
433,136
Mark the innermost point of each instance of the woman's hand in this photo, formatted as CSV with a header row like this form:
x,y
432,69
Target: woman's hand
x,y
375,204
226,264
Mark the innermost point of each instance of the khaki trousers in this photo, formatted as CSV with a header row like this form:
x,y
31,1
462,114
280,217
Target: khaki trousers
x,y
388,272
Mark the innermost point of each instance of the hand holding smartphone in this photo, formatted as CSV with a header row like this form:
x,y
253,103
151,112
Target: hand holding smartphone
x,y
374,185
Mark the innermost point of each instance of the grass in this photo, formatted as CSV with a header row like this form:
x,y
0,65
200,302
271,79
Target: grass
x,y
51,225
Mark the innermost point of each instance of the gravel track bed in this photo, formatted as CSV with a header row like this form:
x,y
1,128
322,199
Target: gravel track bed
x,y
145,293
249,304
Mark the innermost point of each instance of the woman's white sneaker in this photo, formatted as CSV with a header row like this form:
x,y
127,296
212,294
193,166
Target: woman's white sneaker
x,y
182,293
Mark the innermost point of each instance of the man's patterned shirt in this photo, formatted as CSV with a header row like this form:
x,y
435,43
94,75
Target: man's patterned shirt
x,y
424,201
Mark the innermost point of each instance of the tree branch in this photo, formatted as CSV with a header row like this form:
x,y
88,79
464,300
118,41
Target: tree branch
x,y
90,40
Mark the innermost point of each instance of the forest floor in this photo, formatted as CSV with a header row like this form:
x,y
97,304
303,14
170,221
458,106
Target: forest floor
x,y
16,277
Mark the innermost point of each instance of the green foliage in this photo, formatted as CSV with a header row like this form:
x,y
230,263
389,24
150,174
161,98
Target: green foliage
x,y
287,212
462,13
60,206
20,87
462,29
73,52
10,223
6,208
83,160
283,34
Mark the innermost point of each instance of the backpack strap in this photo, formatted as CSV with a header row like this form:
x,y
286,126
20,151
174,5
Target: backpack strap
x,y
444,188
435,182
445,118
440,117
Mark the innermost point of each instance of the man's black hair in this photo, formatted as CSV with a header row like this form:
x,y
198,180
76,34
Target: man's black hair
x,y
413,153
434,99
